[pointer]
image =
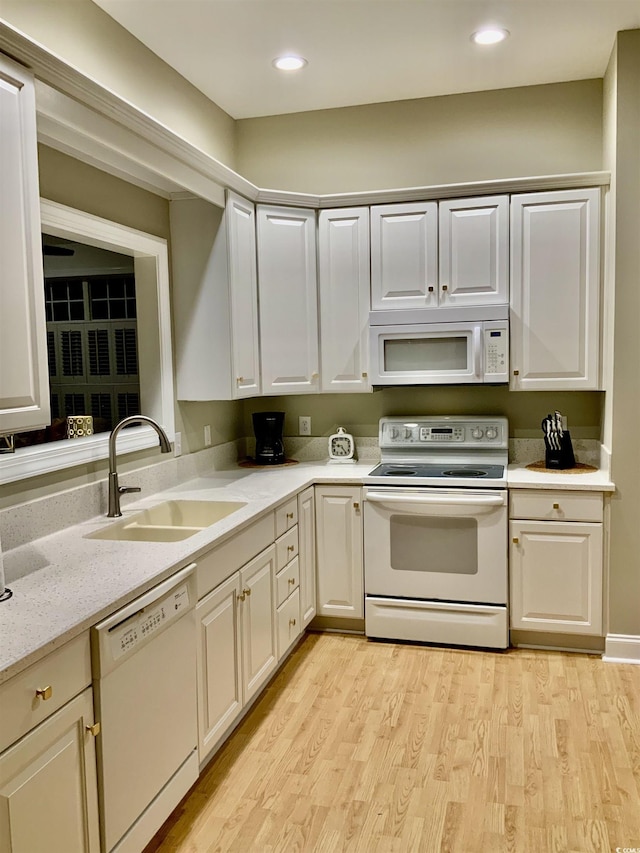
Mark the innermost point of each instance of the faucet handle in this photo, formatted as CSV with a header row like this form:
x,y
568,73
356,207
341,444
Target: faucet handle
x,y
122,490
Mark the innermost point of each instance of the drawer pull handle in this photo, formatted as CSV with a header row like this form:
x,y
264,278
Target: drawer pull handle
x,y
44,693
292,622
291,581
289,515
556,506
515,540
94,729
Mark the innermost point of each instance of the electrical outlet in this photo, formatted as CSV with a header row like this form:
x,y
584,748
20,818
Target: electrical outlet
x,y
177,444
207,435
304,425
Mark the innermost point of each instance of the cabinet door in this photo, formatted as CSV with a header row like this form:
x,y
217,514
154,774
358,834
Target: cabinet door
x,y
219,663
257,596
339,550
555,290
243,283
404,249
307,554
343,260
288,300
24,371
556,576
48,788
474,251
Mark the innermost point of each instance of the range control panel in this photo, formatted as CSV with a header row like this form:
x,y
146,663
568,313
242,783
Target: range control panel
x,y
150,620
398,432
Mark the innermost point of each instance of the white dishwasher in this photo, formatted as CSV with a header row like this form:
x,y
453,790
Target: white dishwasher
x,y
144,670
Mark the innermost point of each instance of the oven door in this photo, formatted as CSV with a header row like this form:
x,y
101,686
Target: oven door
x,y
436,544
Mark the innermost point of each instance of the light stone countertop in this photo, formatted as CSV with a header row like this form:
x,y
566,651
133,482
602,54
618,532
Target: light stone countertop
x,y
64,583
78,581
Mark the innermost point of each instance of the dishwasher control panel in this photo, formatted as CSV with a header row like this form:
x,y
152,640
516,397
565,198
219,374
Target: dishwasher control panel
x,y
130,633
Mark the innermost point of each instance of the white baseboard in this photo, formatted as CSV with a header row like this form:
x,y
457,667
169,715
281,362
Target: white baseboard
x,y
622,648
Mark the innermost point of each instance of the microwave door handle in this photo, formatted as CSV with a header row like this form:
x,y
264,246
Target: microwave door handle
x,y
477,351
444,500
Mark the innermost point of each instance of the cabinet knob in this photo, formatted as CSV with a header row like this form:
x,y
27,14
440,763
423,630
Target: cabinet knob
x,y
364,374
515,540
315,375
356,505
240,379
556,506
291,581
289,515
516,373
444,287
94,729
292,622
244,594
430,289
44,693
291,547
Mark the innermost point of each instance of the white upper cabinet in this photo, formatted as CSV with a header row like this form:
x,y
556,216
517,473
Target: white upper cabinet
x,y
474,251
555,290
343,261
24,372
215,299
243,283
404,251
288,300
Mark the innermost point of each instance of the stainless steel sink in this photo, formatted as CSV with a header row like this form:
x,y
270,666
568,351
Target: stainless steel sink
x,y
170,521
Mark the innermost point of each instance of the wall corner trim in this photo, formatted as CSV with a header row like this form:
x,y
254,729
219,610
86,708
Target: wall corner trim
x,y
622,648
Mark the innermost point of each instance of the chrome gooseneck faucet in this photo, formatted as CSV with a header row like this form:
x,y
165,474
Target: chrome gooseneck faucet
x,y
116,490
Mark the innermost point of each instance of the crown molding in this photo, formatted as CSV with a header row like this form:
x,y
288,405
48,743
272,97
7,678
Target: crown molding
x,y
79,116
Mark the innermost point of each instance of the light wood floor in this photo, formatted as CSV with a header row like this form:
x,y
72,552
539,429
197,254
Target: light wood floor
x,y
363,746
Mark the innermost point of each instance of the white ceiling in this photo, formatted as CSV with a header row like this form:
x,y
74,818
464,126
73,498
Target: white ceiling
x,y
368,51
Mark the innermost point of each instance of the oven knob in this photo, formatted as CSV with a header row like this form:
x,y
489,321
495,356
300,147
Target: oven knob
x,y
477,432
492,433
395,433
408,433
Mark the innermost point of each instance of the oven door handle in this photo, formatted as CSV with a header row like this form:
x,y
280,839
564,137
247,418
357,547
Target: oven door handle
x,y
442,500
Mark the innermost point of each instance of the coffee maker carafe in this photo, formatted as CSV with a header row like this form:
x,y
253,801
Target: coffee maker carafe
x,y
267,427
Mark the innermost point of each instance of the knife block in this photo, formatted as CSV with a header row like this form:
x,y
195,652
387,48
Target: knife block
x,y
562,458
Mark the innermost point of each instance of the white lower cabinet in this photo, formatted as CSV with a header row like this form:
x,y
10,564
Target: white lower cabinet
x,y
556,562
307,554
236,646
339,533
48,786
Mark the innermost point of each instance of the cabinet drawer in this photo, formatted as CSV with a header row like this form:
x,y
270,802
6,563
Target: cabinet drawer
x,y
288,622
287,580
286,548
220,563
286,516
556,505
61,676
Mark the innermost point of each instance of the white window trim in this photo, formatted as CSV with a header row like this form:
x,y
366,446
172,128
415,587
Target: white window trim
x,y
157,396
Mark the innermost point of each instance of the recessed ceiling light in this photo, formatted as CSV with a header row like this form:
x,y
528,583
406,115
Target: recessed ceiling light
x,y
289,63
490,35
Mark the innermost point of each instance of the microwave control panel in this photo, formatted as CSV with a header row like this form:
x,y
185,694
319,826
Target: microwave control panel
x,y
496,347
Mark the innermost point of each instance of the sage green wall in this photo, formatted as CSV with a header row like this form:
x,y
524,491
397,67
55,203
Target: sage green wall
x,y
535,130
623,152
360,413
88,39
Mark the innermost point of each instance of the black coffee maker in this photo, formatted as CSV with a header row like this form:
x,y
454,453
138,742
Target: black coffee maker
x,y
269,445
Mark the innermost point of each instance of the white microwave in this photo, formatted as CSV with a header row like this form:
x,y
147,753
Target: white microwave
x,y
436,346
